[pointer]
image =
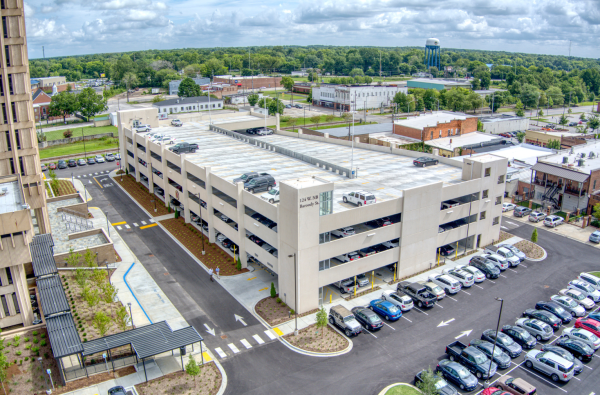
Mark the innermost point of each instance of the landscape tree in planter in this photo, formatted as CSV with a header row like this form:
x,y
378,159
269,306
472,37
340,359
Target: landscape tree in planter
x,y
534,236
321,320
273,291
428,382
101,323
192,368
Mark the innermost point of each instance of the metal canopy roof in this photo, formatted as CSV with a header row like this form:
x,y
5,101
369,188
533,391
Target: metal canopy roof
x,y
146,341
63,335
42,255
560,172
52,295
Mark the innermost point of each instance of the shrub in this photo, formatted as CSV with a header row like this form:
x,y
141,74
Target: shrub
x,y
278,300
27,347
534,236
46,355
26,339
35,349
35,340
26,358
273,291
18,353
67,133
292,311
35,333
595,223
43,343
43,335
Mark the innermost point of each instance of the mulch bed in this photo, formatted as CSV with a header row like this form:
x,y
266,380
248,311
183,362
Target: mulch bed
x,y
93,380
141,194
276,313
207,382
65,187
531,250
327,340
504,236
190,237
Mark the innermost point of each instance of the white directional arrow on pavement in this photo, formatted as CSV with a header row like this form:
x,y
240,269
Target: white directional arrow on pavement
x,y
240,319
464,333
445,323
211,331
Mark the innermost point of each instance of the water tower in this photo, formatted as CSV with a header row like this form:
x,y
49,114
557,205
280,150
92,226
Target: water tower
x,y
432,53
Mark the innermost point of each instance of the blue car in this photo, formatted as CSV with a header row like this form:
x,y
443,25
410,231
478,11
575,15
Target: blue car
x,y
457,375
386,309
595,316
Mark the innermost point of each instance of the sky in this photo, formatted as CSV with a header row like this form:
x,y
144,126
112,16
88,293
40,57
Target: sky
x,y
77,27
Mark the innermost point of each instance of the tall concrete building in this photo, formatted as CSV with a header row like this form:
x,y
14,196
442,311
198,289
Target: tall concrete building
x,y
22,195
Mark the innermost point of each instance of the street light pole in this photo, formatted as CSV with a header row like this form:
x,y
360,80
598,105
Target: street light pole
x,y
486,384
295,293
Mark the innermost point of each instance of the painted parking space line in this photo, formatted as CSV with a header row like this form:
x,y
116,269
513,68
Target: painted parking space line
x,y
119,228
478,286
439,305
388,325
513,270
78,176
585,366
135,224
96,173
220,352
119,223
466,292
369,332
147,226
504,227
127,226
263,289
421,311
90,174
491,281
540,377
258,339
151,221
233,348
246,343
503,276
406,318
451,298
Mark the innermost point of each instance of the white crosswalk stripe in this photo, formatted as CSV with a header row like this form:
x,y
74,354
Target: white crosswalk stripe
x,y
84,176
119,228
78,176
220,352
90,174
246,343
128,227
233,348
258,339
143,222
270,335
151,220
136,225
96,173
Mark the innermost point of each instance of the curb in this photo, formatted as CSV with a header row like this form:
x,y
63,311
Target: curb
x,y
532,259
223,374
386,389
319,354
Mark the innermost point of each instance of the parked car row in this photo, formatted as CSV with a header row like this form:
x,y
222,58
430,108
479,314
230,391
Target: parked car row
x,y
262,131
363,252
256,182
550,221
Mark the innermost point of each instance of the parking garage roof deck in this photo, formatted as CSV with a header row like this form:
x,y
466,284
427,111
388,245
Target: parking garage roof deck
x,y
385,175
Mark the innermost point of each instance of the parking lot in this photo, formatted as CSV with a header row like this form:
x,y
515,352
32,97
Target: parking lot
x,y
466,315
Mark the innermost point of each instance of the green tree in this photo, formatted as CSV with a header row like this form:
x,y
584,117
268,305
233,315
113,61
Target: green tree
x,y
288,83
89,103
480,125
555,95
402,99
594,123
329,118
101,322
158,98
188,88
541,113
91,296
321,320
563,120
62,104
315,119
356,72
309,97
81,277
292,122
273,290
521,136
90,258
582,116
212,67
529,95
428,382
519,109
121,318
273,105
253,99
109,292
553,144
73,258
192,368
130,80
596,211
534,236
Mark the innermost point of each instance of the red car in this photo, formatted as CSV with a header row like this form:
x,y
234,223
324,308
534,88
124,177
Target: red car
x,y
52,166
494,391
589,325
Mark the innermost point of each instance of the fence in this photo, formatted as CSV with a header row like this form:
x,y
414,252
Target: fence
x,y
77,373
343,171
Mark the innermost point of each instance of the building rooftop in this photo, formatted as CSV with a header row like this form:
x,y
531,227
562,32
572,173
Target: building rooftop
x,y
394,138
501,118
185,100
590,153
432,119
359,129
459,82
450,143
247,77
385,175
10,197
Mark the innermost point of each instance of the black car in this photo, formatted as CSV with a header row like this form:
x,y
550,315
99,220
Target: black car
x,y
367,318
520,335
441,385
579,349
91,161
500,357
226,243
118,390
81,162
544,316
380,248
457,374
62,164
425,161
234,248
72,163
565,354
555,309
446,250
504,342
487,267
159,191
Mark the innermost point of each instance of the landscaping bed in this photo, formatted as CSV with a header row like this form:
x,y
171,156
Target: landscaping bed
x,y
531,250
94,379
64,187
504,236
78,148
190,237
327,340
403,390
276,312
141,194
207,382
77,132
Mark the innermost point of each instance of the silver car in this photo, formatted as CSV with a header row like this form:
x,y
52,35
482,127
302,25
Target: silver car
x,y
401,300
585,288
434,289
551,364
536,216
478,275
500,262
584,335
537,328
569,304
466,279
578,297
595,237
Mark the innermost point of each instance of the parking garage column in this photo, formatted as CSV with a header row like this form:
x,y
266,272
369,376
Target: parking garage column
x,y
149,163
165,171
209,208
186,206
136,158
241,211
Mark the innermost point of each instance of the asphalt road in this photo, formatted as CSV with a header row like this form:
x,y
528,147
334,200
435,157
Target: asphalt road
x,y
393,354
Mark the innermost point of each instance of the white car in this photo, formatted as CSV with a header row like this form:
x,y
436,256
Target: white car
x,y
391,243
176,122
447,283
360,198
351,256
143,128
536,216
581,334
590,279
272,196
569,304
167,140
344,232
578,297
508,207
221,237
507,254
478,275
99,159
466,279
553,221
157,137
403,301
499,261
585,288
264,132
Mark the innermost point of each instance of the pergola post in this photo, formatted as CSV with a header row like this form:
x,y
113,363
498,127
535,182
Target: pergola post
x,y
61,368
145,374
111,360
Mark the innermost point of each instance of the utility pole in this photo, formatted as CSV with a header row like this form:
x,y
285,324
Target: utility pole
x,y
43,52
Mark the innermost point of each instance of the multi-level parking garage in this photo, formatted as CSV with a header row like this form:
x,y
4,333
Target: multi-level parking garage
x,y
293,238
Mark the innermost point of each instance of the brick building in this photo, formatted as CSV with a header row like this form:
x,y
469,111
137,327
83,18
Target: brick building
x,y
220,90
249,82
41,106
436,125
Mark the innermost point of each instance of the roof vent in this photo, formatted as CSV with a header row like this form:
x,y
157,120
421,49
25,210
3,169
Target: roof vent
x,y
580,162
565,159
177,100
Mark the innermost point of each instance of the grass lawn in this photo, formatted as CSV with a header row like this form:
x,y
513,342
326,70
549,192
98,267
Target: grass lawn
x,y
402,390
341,125
300,121
597,274
87,131
77,148
56,123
